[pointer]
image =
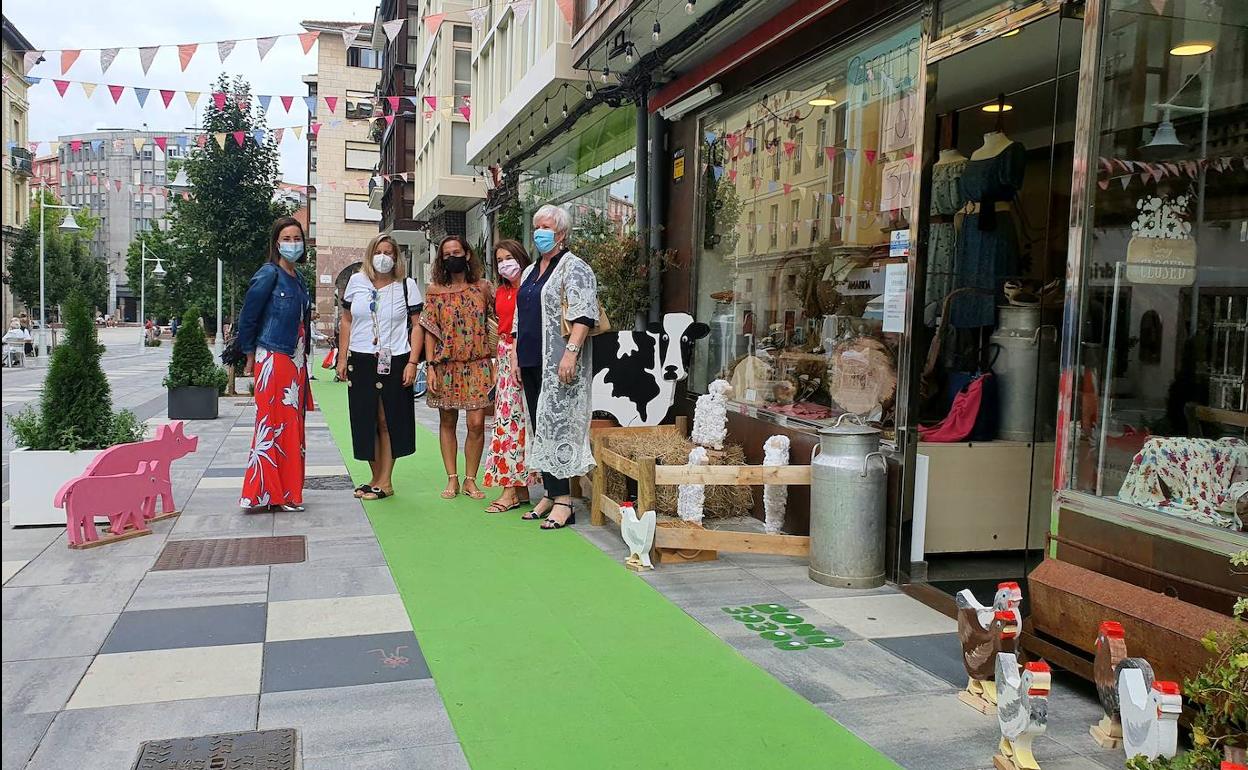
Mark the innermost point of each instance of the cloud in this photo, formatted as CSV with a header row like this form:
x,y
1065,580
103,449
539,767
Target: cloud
x,y
86,24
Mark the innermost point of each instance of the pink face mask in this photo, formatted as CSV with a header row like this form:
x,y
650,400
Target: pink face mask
x,y
509,269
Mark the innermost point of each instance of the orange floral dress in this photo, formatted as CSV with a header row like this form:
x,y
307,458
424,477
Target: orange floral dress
x,y
463,363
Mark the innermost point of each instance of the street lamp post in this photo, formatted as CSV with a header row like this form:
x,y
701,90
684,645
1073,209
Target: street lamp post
x,y
68,226
157,272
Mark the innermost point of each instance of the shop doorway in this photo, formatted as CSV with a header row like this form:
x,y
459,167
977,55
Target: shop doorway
x,y
998,148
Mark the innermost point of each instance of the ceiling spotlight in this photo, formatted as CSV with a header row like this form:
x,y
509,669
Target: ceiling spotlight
x,y
656,31
1192,48
689,6
998,107
822,100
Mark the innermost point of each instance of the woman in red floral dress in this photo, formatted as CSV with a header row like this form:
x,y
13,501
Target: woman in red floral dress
x,y
504,461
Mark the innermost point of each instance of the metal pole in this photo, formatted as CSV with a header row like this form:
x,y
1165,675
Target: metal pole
x,y
219,343
43,314
142,292
641,195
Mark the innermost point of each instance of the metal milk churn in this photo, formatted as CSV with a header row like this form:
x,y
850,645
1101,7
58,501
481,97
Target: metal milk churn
x,y
1026,367
847,506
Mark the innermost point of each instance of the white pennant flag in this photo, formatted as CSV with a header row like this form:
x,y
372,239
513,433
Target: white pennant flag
x,y
264,45
31,58
477,16
393,26
146,55
224,49
521,8
349,34
107,55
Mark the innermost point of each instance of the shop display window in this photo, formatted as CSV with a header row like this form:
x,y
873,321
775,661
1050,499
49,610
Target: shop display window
x,y
1158,388
805,190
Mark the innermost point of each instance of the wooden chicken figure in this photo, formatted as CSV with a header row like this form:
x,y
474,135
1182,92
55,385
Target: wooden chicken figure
x,y
1111,649
1022,710
1149,711
983,632
638,534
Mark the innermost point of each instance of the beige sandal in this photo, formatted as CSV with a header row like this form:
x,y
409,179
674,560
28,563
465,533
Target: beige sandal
x,y
448,494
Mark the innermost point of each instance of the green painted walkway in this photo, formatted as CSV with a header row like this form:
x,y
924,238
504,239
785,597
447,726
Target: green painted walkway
x,y
549,654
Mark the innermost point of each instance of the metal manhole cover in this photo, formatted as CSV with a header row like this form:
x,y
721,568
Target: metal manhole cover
x,y
325,483
232,552
270,749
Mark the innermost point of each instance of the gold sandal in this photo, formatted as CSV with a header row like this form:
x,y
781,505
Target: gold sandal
x,y
448,494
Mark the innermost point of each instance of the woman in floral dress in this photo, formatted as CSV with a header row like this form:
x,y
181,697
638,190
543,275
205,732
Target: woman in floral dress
x,y
460,363
273,331
504,459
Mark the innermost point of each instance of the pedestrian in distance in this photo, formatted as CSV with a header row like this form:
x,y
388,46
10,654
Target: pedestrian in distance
x,y
273,330
380,333
504,460
459,361
558,291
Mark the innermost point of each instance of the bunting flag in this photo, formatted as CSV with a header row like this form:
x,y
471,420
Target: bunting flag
x,y
732,175
1103,184
220,137
118,145
566,8
710,137
278,133
218,98
192,98
830,152
306,39
201,140
53,147
466,111
183,140
849,155
393,26
521,9
349,34
314,129
68,57
162,142
107,55
117,184
146,55
394,103
239,137
76,145
61,86
389,120
264,45
431,102
788,188
477,17
433,21
264,102
224,49
141,95
310,101
286,102
116,91
298,132
97,145
1125,180
185,52
166,96
789,147
258,136
332,103
139,141
717,172
870,155
30,59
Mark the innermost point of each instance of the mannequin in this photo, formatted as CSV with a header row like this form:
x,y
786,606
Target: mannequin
x,y
947,200
994,144
951,155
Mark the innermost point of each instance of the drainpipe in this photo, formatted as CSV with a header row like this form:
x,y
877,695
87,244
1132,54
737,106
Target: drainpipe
x,y
641,190
657,170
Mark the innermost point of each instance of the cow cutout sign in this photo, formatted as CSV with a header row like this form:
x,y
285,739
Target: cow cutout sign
x,y
635,373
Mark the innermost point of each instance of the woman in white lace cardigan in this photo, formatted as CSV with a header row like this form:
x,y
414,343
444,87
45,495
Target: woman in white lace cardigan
x,y
555,370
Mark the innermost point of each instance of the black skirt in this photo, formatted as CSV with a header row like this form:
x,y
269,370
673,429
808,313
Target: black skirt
x,y
364,388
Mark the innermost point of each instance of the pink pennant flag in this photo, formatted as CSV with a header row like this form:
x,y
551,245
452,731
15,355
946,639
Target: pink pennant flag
x,y
185,52
870,155
116,91
732,175
61,86
314,129
119,145
431,102
332,103
201,140
264,45
243,104
306,39
789,147
1103,184
466,111
278,133
566,8
788,188
107,55
224,49
95,179
75,145
33,147
68,57
389,120
239,137
433,21
830,152
162,142
392,28
394,103
166,96
30,59
286,102
218,98
146,55
332,184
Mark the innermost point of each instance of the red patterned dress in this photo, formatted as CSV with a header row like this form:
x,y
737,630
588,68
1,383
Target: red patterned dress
x,y
275,466
504,458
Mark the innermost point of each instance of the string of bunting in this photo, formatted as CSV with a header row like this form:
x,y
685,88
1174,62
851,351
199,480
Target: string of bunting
x,y
1125,170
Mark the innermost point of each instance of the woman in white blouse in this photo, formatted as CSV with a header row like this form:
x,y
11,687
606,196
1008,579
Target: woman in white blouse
x,y
383,338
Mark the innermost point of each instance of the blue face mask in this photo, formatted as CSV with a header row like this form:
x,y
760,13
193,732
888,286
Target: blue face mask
x,y
291,250
544,239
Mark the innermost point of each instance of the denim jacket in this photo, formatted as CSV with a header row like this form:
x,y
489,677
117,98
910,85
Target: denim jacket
x,y
275,304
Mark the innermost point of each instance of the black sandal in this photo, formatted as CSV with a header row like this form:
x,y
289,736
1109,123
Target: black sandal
x,y
362,490
551,524
377,494
534,515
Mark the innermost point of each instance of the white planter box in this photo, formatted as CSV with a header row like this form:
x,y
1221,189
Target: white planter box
x,y
35,477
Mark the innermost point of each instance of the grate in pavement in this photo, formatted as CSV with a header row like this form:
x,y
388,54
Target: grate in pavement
x,y
325,483
232,552
270,749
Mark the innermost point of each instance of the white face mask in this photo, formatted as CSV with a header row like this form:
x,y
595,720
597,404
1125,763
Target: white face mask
x,y
509,268
383,263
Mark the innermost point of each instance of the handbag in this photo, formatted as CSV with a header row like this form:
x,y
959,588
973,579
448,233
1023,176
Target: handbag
x,y
565,326
491,334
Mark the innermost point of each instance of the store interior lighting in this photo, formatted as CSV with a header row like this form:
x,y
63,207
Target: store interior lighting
x,y
997,107
824,99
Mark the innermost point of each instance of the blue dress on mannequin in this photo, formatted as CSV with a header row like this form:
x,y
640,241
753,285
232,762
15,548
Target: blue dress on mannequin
x,y
987,241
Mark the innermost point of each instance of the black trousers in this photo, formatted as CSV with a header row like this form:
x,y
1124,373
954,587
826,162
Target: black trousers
x,y
531,378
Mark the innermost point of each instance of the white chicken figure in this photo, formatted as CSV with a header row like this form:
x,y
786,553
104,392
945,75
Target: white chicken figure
x,y
691,497
974,621
775,496
710,415
1022,710
1150,712
638,535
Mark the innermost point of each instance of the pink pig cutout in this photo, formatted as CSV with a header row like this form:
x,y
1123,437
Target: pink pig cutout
x,y
125,498
171,443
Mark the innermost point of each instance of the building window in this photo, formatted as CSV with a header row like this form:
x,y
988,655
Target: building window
x,y
356,209
797,153
365,58
462,33
816,221
821,140
773,225
463,76
361,156
359,105
795,214
750,230
775,164
459,149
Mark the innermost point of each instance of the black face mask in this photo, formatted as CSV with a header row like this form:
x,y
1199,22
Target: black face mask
x,y
456,265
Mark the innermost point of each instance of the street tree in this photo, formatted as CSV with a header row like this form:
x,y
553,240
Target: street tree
x,y
165,297
68,264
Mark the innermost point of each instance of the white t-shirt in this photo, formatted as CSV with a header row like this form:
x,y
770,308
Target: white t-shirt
x,y
390,318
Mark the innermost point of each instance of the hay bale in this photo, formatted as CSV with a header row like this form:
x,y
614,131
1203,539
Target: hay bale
x,y
672,449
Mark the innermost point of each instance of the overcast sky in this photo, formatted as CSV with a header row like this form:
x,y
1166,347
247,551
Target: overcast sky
x,y
93,24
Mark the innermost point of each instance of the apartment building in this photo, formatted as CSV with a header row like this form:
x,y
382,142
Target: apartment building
x,y
17,157
341,156
394,196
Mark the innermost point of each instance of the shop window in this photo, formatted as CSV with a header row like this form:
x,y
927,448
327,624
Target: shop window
x,y
1161,383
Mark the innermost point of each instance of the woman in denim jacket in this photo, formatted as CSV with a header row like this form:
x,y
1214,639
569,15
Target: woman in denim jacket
x,y
273,331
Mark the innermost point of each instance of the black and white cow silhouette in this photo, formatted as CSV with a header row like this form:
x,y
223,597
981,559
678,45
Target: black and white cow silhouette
x,y
635,373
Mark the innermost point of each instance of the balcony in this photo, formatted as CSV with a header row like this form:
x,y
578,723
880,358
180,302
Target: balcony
x,y
21,161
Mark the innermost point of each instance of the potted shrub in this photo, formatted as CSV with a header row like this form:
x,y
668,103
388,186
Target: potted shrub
x,y
73,423
622,268
194,381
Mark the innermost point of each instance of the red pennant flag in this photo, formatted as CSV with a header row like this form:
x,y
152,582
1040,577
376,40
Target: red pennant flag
x,y
61,86
314,129
389,120
218,98
239,137
68,57
201,140
732,175
466,111
185,52
431,102
732,140
167,96
1103,184
566,8
433,21
306,39
394,103
116,91
788,188
286,101
830,152
75,145
332,103
162,142
789,147
870,155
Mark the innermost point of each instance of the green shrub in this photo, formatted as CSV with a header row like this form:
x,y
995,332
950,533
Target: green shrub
x,y
192,365
76,410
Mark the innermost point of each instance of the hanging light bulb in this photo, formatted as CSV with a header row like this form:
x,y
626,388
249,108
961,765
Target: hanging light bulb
x,y
654,33
628,54
606,73
565,109
546,121
589,91
530,134
507,154
689,6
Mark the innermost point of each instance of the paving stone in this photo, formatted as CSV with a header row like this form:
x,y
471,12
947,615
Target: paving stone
x,y
342,552
38,686
307,581
153,676
345,616
187,627
115,733
222,522
885,615
52,570
795,581
313,664
201,588
361,719
937,654
712,587
53,637
21,736
11,568
447,756
63,601
856,670
346,519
